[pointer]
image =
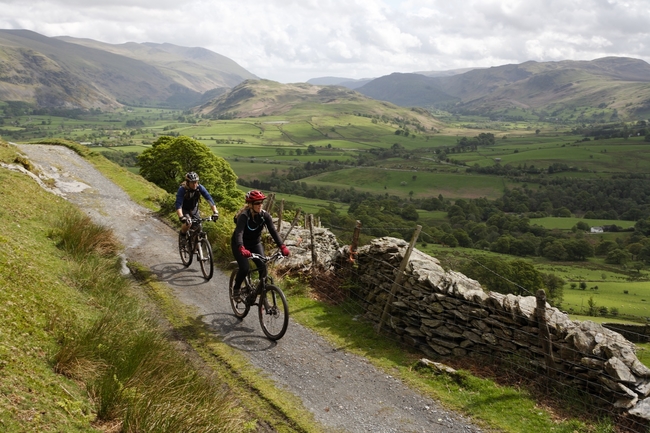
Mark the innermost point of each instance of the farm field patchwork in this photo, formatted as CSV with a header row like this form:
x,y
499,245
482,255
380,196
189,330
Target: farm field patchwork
x,y
612,155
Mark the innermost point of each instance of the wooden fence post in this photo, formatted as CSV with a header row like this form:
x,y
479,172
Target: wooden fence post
x,y
280,213
544,334
314,258
355,242
293,224
270,202
400,276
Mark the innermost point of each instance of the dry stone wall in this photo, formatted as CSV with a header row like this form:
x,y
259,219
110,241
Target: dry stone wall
x,y
445,313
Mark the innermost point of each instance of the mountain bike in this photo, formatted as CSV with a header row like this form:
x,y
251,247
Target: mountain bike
x,y
272,305
196,242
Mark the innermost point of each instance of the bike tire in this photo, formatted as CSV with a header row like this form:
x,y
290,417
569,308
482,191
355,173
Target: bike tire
x,y
207,263
184,250
240,308
273,312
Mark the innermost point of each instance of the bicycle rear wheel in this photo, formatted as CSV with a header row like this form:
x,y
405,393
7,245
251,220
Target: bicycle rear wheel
x,y
240,308
184,250
273,312
205,258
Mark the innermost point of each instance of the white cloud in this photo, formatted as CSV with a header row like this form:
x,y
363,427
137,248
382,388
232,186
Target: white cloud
x,y
294,40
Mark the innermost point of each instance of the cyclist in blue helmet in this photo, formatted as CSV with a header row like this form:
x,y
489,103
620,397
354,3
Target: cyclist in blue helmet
x,y
187,201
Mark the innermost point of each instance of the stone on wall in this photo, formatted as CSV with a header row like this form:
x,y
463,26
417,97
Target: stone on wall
x,y
326,246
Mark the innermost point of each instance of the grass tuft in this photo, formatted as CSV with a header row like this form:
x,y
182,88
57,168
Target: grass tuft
x,y
78,236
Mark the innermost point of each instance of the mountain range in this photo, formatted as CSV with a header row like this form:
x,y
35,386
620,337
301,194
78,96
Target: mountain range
x,y
65,72
618,85
82,73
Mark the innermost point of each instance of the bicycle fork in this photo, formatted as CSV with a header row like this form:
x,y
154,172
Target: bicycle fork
x,y
199,250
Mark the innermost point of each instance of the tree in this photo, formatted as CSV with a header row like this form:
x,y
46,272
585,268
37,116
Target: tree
x,y
492,272
502,245
449,240
410,213
578,249
169,158
463,238
593,308
618,257
644,254
555,251
527,279
555,288
605,247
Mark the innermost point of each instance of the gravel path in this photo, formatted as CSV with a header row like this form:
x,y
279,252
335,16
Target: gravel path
x,y
343,391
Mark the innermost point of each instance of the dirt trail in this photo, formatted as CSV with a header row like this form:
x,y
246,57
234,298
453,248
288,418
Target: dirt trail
x,y
344,391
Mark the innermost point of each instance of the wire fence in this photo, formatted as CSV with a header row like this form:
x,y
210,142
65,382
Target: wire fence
x,y
517,340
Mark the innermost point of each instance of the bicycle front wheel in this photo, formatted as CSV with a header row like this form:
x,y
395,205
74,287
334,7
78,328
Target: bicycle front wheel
x,y
205,258
184,250
274,312
240,308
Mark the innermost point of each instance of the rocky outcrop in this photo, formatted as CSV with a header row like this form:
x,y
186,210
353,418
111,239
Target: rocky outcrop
x,y
324,248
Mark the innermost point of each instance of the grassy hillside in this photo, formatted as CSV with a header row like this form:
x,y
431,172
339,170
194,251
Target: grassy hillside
x,y
36,294
84,350
269,98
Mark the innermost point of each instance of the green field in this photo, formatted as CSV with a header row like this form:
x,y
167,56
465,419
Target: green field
x,y
568,223
611,294
612,155
404,182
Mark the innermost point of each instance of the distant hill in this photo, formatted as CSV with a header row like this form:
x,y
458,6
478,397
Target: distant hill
x,y
618,84
354,84
338,81
80,73
447,73
260,98
407,90
197,68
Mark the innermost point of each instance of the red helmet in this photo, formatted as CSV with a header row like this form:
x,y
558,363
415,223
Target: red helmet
x,y
254,195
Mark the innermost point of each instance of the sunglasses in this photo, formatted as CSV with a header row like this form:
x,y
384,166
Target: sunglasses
x,y
255,203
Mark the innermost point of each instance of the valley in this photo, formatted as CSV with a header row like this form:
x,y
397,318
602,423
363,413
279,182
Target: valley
x,y
481,171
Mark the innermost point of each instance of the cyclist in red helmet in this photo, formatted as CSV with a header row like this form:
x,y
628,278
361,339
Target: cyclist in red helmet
x,y
247,237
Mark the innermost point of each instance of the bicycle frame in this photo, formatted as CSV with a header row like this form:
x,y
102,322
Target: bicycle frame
x,y
272,305
196,234
197,243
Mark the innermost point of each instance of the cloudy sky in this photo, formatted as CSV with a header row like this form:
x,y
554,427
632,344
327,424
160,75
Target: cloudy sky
x,y
295,40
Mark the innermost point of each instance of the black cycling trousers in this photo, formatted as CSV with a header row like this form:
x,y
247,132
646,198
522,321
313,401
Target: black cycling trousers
x,y
244,265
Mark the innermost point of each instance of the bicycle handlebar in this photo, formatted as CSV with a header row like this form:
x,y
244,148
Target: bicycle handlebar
x,y
201,219
275,256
